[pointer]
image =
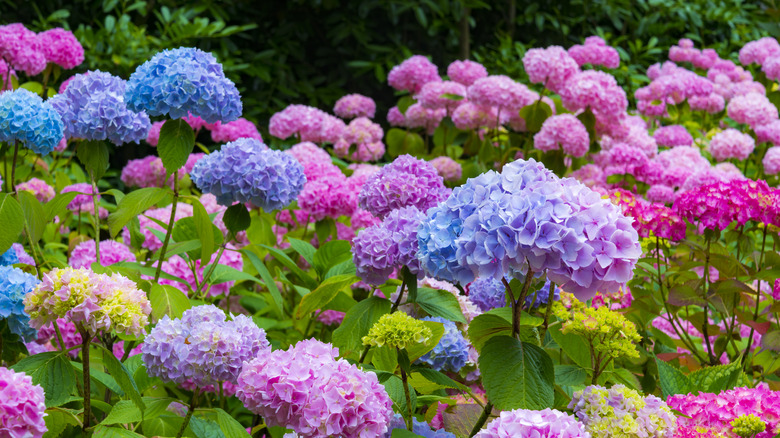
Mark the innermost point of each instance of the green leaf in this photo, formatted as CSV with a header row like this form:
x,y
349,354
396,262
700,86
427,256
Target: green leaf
x,y
205,428
440,303
167,300
626,377
672,380
167,424
269,281
114,432
395,389
330,254
122,377
348,337
575,346
345,267
51,370
305,249
58,205
535,114
403,433
437,377
132,205
486,326
94,156
404,103
33,214
411,285
237,218
189,228
208,234
229,426
417,350
57,420
517,374
125,411
716,379
175,145
570,375
224,273
401,142
11,221
320,297
285,260
771,340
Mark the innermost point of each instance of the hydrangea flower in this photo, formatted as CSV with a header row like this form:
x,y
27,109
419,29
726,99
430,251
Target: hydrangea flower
x,y
330,194
22,49
9,257
93,108
596,90
716,206
548,423
22,406
487,293
372,254
565,132
595,51
753,109
61,47
180,82
673,136
466,72
412,74
14,285
417,116
352,106
747,426
83,201
232,131
502,92
448,168
755,52
111,251
407,181
542,296
552,67
307,152
397,330
308,123
26,118
202,346
771,161
96,303
419,428
731,144
245,170
43,192
451,353
470,116
610,333
307,389
446,94
622,412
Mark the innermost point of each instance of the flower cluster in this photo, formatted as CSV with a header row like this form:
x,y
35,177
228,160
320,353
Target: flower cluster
x,y
352,106
245,170
111,251
609,332
595,51
716,206
552,67
448,168
731,144
466,72
232,131
183,82
451,353
43,192
747,426
548,423
565,132
202,346
22,406
446,94
307,123
412,74
419,428
397,330
61,47
487,293
501,92
365,136
26,118
22,49
685,52
651,219
307,389
14,285
307,152
673,136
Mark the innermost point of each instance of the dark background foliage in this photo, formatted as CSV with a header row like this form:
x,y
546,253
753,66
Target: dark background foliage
x,y
314,51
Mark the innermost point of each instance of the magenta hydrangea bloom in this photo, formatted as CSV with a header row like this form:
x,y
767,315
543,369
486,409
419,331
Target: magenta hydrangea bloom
x,y
352,106
660,193
755,52
552,67
412,74
771,161
307,123
753,109
549,423
43,192
362,130
111,251
672,136
596,90
153,137
307,152
448,168
651,219
565,132
331,195
731,144
232,131
144,172
466,72
151,242
446,94
712,103
22,49
470,116
22,406
595,51
502,92
307,389
407,181
61,47
718,205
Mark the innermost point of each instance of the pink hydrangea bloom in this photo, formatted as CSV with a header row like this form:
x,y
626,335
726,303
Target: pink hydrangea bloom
x,y
83,201
22,406
6,76
196,123
565,132
595,51
332,197
552,67
434,95
178,267
672,136
355,105
362,170
151,242
144,172
232,131
753,109
731,144
22,255
470,116
591,175
363,219
500,91
42,191
771,67
308,152
596,90
111,251
21,48
154,133
755,52
330,317
771,161
768,133
712,103
412,74
448,168
62,48
660,193
395,118
308,123
419,117
466,72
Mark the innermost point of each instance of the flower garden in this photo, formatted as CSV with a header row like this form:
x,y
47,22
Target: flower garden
x,y
560,257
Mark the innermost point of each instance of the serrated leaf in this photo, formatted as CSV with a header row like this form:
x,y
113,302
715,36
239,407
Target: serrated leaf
x,y
94,156
324,293
535,114
575,346
11,221
330,254
33,214
125,411
672,380
570,375
51,370
175,144
167,300
305,249
58,205
440,303
132,205
717,378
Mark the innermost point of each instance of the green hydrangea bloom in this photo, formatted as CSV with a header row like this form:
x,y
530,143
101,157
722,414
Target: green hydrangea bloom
x,y
747,426
608,331
397,330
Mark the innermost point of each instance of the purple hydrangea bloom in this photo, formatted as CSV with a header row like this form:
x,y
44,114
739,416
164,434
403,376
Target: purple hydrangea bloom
x,y
245,170
22,406
182,81
451,353
202,346
93,108
407,181
542,295
14,285
26,118
487,293
419,428
549,423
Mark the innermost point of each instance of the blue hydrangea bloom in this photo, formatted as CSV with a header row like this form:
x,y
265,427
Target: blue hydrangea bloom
x,y
93,107
14,285
542,295
182,81
26,118
245,170
9,257
487,293
420,428
451,353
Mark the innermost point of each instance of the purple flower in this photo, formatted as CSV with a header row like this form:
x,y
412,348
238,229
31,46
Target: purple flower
x,y
487,293
549,423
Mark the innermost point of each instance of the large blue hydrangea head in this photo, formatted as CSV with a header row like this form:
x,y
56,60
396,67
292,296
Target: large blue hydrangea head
x,y
182,81
26,118
245,170
420,428
407,181
451,353
526,218
487,293
14,285
542,295
93,107
9,257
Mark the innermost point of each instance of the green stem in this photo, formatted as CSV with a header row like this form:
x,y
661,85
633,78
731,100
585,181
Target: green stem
x,y
211,269
96,217
405,380
547,313
85,367
517,305
193,404
164,248
758,296
13,166
400,295
705,329
482,419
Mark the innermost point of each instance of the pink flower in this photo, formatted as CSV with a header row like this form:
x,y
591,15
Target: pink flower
x,y
757,51
308,123
412,74
61,47
500,91
308,152
448,168
712,103
596,90
731,144
771,161
22,49
42,191
672,136
395,118
232,131
419,117
111,251
552,67
753,109
355,105
22,406
154,133
595,51
466,72
470,116
565,132
435,95
768,133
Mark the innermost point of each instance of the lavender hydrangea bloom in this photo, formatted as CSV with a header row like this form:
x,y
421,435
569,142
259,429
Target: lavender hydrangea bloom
x,y
451,353
93,108
487,293
419,428
26,118
402,224
372,252
245,170
182,81
407,181
202,346
549,423
14,285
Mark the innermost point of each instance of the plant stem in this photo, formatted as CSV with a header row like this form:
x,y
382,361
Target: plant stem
x,y
211,268
85,367
548,311
193,404
705,329
13,166
482,419
517,305
96,217
400,295
758,296
170,226
409,423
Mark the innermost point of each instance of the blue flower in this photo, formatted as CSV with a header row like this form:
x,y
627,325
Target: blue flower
x,y
487,293
182,81
419,428
26,118
451,353
14,285
9,257
245,170
92,107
